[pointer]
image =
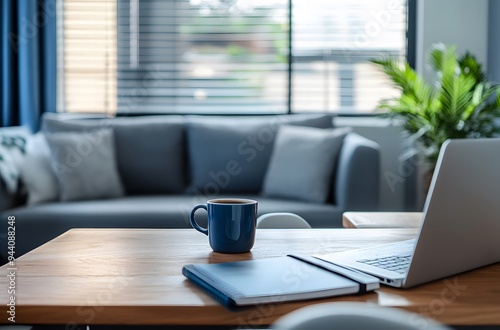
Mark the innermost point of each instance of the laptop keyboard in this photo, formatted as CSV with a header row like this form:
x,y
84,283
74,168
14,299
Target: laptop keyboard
x,y
398,264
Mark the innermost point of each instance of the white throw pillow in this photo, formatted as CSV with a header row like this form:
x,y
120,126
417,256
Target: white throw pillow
x,y
37,174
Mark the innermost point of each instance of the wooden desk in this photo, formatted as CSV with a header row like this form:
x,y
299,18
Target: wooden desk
x,y
130,276
381,219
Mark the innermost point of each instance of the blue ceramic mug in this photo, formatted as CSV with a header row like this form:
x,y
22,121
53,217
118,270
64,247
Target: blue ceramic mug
x,y
231,224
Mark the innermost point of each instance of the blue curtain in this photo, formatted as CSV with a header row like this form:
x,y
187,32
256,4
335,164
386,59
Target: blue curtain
x,y
28,61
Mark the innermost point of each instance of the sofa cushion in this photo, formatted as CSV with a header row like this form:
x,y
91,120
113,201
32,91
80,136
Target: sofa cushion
x,y
303,163
231,154
86,168
149,150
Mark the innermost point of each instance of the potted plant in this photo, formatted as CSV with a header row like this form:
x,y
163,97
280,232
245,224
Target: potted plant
x,y
460,104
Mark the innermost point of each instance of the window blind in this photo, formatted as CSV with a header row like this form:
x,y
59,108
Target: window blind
x,y
87,41
202,56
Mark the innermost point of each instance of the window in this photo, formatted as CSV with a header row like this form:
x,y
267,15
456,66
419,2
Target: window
x,y
228,56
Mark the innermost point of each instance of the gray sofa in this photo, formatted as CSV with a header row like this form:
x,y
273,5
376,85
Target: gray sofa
x,y
168,164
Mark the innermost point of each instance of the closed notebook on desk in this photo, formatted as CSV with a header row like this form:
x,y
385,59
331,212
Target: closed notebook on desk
x,y
275,280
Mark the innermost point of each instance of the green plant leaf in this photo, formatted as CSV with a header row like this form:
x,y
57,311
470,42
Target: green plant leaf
x,y
460,104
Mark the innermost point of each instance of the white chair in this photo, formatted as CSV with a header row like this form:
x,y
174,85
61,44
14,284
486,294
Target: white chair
x,y
353,316
281,220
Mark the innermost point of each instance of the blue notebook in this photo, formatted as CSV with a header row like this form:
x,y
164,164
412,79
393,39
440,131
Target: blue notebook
x,y
273,280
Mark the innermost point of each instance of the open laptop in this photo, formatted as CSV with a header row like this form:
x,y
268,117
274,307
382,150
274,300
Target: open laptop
x,y
460,230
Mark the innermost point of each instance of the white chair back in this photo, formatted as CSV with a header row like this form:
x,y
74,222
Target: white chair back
x,y
281,220
353,316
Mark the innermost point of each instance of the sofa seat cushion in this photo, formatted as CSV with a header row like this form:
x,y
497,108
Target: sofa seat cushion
x,y
37,224
126,212
231,154
149,150
154,212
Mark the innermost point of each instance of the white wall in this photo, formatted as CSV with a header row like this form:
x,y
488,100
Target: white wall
x,y
463,23
494,42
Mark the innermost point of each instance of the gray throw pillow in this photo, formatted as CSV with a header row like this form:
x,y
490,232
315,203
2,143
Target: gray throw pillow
x,y
303,163
85,165
231,154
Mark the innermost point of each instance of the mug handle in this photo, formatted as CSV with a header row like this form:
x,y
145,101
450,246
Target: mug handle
x,y
193,221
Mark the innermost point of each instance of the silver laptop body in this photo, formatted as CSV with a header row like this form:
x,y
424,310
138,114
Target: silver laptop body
x,y
460,230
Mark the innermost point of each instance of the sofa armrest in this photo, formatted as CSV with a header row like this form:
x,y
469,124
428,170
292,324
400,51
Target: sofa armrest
x,y
357,180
